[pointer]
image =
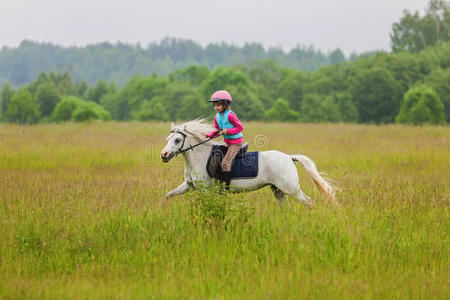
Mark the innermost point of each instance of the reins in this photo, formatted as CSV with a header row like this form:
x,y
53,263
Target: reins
x,y
191,147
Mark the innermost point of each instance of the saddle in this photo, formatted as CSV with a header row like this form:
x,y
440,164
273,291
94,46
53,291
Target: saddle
x,y
244,165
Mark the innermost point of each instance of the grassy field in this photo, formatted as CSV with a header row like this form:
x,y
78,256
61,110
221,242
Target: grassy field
x,y
81,216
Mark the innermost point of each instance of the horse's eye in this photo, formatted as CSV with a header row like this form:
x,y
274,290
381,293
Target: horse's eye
x,y
177,141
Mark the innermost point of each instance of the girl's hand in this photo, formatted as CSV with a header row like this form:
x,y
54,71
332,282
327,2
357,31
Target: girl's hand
x,y
224,131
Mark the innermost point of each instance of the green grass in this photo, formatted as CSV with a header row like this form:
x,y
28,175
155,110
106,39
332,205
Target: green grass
x,y
81,216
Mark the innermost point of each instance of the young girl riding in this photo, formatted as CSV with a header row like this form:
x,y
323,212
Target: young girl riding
x,y
229,125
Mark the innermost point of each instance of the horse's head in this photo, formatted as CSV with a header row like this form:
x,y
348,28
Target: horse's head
x,y
176,141
183,136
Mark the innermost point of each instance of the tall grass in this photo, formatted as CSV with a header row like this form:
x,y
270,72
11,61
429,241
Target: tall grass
x,y
82,216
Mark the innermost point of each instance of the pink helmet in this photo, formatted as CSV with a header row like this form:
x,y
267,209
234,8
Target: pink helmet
x,y
221,95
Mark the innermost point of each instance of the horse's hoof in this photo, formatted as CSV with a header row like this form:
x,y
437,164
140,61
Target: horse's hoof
x,y
164,201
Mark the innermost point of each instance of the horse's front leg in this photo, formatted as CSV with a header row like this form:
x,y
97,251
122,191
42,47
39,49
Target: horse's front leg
x,y
181,189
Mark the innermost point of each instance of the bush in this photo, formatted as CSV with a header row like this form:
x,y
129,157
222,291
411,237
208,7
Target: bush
x,y
23,108
281,112
65,108
421,105
76,109
88,111
208,207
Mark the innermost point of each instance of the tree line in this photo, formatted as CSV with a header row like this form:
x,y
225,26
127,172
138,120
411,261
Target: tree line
x,y
409,85
385,88
119,62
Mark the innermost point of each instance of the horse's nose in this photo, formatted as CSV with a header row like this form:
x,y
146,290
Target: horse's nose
x,y
164,154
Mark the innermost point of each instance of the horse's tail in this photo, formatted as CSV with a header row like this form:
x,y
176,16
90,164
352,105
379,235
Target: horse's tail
x,y
324,185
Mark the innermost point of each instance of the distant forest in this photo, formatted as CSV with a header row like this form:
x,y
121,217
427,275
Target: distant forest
x,y
119,62
410,85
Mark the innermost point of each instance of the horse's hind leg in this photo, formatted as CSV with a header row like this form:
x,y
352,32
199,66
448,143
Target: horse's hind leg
x,y
296,192
279,195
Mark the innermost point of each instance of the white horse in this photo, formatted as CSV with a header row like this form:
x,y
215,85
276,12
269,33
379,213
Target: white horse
x,y
275,168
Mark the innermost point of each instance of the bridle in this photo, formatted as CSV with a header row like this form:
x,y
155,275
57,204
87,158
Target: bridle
x,y
191,147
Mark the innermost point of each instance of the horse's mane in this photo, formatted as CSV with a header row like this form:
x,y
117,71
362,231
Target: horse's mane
x,y
198,128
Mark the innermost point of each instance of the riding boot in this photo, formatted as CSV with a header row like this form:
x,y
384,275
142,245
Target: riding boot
x,y
227,179
220,177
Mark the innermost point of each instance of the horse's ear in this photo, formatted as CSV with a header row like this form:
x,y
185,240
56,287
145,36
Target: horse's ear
x,y
172,126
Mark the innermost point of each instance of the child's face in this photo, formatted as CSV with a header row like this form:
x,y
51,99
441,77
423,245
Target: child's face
x,y
219,106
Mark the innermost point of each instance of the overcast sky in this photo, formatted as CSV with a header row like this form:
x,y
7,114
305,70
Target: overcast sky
x,y
351,25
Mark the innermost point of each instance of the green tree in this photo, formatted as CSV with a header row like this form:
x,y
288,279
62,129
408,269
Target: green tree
x,y
195,75
327,80
81,89
97,92
337,57
312,109
406,68
182,101
421,105
245,103
291,88
439,80
414,33
281,112
63,83
376,94
331,110
222,77
192,106
41,79
152,111
346,109
5,98
114,104
315,109
23,108
137,90
47,97
266,76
